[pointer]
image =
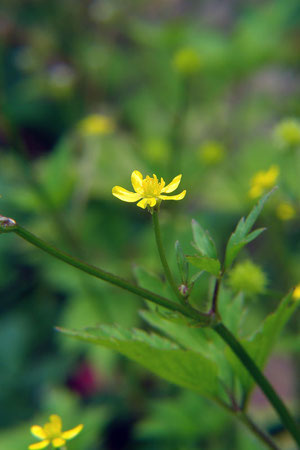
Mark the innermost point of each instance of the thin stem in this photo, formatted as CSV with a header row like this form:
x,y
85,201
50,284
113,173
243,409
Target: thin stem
x,y
186,310
162,255
214,306
9,225
243,418
260,379
259,433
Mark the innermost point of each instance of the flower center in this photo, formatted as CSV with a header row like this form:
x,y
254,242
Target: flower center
x,y
52,430
151,186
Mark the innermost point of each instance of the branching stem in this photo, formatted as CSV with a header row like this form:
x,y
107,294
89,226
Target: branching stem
x,y
9,225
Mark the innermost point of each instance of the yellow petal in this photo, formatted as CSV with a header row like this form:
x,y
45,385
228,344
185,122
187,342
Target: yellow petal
x,y
70,434
173,197
173,185
152,201
58,442
39,445
137,181
56,422
38,432
147,201
255,191
124,195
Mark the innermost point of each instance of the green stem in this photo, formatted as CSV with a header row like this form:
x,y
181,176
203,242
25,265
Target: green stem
x,y
214,306
260,434
260,379
162,255
7,225
243,418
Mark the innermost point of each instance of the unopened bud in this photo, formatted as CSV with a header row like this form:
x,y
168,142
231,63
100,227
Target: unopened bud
x,y
183,289
7,224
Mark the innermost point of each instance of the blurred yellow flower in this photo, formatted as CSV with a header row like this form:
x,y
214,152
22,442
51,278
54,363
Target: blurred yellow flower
x,y
187,61
96,124
157,150
248,277
285,211
296,293
149,191
263,180
287,133
211,152
51,433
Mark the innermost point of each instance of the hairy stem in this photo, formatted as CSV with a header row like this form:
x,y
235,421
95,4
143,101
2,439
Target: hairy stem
x,y
9,225
186,310
162,255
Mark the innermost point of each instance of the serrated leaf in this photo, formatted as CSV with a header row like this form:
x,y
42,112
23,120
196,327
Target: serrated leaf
x,y
190,337
202,241
182,263
187,369
240,236
260,344
210,265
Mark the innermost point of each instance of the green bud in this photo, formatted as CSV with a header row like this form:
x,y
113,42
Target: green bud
x,y
247,277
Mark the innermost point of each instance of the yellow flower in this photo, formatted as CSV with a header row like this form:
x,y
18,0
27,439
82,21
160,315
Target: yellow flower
x,y
287,132
96,124
285,211
187,61
148,190
211,152
51,433
263,180
296,293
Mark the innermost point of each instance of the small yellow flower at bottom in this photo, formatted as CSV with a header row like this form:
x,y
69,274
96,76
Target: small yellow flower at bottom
x,y
148,191
51,433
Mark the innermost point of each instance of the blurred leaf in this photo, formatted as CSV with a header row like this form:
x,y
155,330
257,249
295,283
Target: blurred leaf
x,y
210,265
182,263
188,369
240,236
170,419
58,178
202,241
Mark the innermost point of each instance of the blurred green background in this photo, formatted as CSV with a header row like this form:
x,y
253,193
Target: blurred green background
x,y
90,91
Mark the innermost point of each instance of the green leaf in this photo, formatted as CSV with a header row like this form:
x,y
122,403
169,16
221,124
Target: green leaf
x,y
202,241
195,277
191,337
149,280
187,369
260,344
210,265
182,263
58,176
240,236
